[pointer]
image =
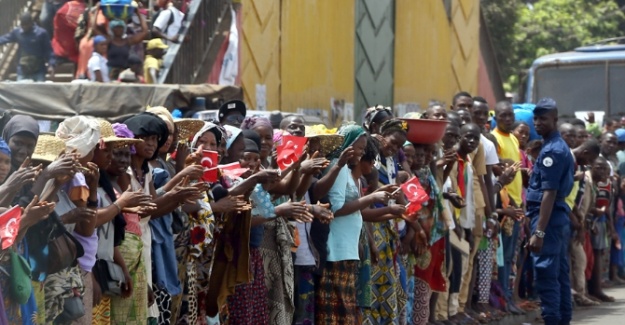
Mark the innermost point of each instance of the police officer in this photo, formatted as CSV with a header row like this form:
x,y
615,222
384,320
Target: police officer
x,y
550,183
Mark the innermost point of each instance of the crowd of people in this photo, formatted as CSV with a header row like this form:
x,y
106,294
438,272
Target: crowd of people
x,y
137,222
100,46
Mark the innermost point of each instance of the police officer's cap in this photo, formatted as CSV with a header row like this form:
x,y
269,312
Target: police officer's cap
x,y
544,106
233,105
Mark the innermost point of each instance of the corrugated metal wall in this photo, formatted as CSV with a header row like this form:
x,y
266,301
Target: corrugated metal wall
x,y
317,53
260,51
375,45
307,52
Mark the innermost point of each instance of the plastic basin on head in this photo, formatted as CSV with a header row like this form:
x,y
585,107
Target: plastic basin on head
x,y
118,11
425,131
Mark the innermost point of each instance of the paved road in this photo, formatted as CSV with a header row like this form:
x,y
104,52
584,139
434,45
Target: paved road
x,y
606,313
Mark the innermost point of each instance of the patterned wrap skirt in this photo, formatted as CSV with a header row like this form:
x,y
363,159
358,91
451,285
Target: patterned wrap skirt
x,y
335,296
304,295
132,310
248,305
102,312
279,273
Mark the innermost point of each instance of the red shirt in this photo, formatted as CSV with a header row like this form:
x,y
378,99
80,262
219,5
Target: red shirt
x,y
65,24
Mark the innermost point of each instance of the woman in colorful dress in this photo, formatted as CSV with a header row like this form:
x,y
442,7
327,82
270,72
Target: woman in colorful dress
x,y
335,295
427,270
278,237
76,206
388,295
111,222
194,244
12,312
136,247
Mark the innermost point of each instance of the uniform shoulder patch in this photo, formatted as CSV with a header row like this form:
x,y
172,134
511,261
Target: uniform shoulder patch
x,y
547,162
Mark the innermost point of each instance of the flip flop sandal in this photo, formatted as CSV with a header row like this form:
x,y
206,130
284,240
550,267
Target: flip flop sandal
x,y
483,318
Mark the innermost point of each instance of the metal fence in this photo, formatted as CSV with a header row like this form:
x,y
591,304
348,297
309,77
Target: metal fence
x,y
186,63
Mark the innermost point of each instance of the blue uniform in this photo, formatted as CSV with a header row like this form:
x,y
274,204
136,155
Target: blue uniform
x,y
554,170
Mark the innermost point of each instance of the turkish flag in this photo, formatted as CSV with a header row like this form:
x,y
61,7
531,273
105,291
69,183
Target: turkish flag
x,y
10,225
290,150
232,170
210,159
414,191
209,162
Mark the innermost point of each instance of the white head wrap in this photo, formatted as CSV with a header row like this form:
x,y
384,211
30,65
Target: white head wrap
x,y
80,133
207,127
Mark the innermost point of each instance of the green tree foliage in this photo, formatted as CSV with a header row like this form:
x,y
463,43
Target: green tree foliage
x,y
501,19
542,27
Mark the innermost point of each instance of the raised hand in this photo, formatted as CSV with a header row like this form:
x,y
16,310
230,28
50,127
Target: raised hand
x,y
346,155
322,212
230,204
36,211
294,210
131,199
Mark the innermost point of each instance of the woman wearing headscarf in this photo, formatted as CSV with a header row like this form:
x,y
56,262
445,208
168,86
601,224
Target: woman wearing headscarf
x,y
209,137
279,237
388,296
77,204
21,133
136,247
262,126
12,312
165,267
110,220
335,294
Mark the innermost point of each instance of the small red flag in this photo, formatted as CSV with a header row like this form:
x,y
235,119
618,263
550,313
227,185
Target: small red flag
x,y
10,225
210,159
209,162
290,150
232,170
414,191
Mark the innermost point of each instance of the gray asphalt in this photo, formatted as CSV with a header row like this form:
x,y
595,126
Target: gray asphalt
x,y
605,314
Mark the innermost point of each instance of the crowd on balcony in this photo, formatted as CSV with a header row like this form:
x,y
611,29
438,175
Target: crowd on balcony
x,y
103,42
448,217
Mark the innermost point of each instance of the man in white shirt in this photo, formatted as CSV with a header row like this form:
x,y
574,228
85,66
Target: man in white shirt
x,y
168,24
97,65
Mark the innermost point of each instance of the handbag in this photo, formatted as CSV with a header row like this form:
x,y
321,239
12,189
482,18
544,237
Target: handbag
x,y
63,249
73,308
21,285
110,277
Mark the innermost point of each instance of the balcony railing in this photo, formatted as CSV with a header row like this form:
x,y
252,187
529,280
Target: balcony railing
x,y
190,61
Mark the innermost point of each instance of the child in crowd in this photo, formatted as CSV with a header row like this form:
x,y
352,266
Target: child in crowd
x,y
601,225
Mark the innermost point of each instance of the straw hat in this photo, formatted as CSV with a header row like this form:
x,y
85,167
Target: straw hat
x,y
48,148
107,136
330,141
188,127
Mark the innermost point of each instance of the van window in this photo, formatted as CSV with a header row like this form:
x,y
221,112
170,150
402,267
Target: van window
x,y
574,87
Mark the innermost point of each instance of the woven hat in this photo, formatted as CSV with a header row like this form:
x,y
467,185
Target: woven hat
x,y
329,139
48,148
188,127
108,137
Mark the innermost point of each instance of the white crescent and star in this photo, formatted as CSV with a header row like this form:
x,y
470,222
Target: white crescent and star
x,y
414,192
209,160
8,230
289,164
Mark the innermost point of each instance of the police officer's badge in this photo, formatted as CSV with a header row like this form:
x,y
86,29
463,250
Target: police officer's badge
x,y
548,162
